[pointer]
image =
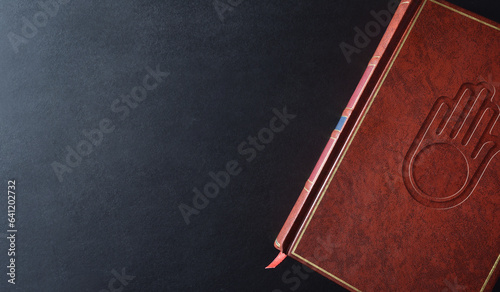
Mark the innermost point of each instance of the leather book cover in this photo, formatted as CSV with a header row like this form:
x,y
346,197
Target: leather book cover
x,y
406,195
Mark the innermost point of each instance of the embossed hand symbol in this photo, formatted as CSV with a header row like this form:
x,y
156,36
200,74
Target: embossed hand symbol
x,y
454,147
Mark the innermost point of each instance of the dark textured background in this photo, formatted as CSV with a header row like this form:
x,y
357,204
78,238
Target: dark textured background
x,y
119,208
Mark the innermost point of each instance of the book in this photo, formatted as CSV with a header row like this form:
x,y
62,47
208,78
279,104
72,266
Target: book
x,y
406,194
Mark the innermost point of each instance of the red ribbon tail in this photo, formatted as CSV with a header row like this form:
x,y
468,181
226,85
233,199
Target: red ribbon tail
x,y
281,256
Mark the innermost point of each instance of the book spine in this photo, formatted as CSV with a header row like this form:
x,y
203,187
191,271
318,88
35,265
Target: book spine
x,y
285,237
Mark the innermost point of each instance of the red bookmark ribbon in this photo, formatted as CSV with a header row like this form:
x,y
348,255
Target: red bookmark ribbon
x,y
281,256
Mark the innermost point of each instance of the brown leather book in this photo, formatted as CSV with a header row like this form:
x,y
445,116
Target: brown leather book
x,y
406,195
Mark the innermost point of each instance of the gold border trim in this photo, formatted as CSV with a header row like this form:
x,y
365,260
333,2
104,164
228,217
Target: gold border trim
x,y
490,274
331,175
465,14
323,270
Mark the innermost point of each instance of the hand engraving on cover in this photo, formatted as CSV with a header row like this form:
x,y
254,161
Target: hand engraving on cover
x,y
454,147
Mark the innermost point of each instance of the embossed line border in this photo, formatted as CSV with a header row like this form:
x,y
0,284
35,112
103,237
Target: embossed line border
x,y
332,174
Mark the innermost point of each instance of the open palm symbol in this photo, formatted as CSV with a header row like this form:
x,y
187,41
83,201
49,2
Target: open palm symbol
x,y
454,147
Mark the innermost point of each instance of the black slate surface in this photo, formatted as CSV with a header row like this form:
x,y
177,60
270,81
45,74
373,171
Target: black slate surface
x,y
114,221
